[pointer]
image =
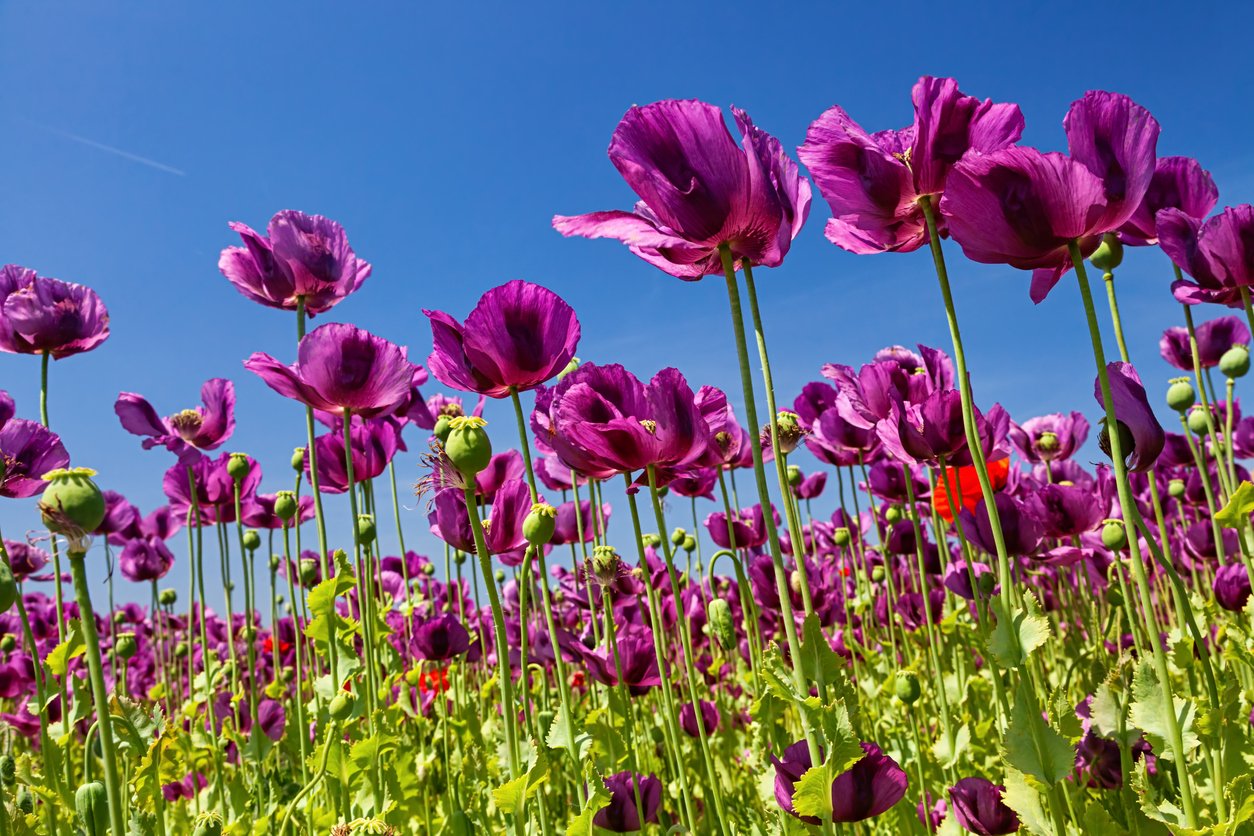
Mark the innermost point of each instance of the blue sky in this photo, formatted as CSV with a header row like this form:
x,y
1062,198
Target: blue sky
x,y
445,136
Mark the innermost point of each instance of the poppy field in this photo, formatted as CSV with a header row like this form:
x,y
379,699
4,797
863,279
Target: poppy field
x,y
635,620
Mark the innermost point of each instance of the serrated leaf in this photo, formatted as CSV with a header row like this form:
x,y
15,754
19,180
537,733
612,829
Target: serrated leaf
x,y
1025,799
564,736
948,756
598,797
72,647
1017,633
812,793
1236,513
1032,746
511,797
1149,713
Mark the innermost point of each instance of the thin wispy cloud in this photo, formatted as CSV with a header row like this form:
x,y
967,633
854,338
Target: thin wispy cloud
x,y
108,149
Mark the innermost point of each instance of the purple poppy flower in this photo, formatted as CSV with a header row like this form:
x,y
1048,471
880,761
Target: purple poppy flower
x,y
1217,254
556,476
977,805
441,638
340,368
48,316
1144,438
1021,530
425,412
957,578
925,432
502,531
519,336
873,182
259,510
698,191
1065,511
27,451
161,523
24,559
120,515
305,257
621,815
204,427
145,559
567,527
502,467
811,486
272,718
709,718
215,488
1178,183
7,407
635,654
697,481
374,443
1232,587
1213,339
865,790
1050,438
748,528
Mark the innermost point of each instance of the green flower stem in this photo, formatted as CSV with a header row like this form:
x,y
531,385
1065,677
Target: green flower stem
x,y
1128,507
365,593
197,547
1224,487
298,641
100,696
1199,459
250,642
1113,301
509,717
764,494
400,539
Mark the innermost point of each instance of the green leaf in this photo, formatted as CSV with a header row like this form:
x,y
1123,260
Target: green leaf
x,y
598,797
1032,746
1236,514
949,756
1150,713
322,597
818,659
562,735
71,648
1025,799
1109,710
512,796
812,794
1019,633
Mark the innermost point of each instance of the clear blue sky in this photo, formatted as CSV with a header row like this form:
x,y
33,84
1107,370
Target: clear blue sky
x,y
444,137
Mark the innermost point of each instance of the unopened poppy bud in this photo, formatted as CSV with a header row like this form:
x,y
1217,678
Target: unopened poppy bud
x,y
722,625
91,804
570,367
651,539
181,651
677,536
467,445
125,645
412,677
1114,596
365,529
229,586
298,459
1175,488
1114,535
892,514
1235,362
25,801
986,583
605,564
907,687
1197,421
877,574
545,719
237,466
288,675
794,582
1109,253
308,571
285,505
443,426
499,576
167,597
794,475
208,824
275,562
458,558
8,770
841,536
7,643
428,569
1126,442
690,544
1180,394
341,706
252,540
539,524
8,587
459,824
119,617
72,504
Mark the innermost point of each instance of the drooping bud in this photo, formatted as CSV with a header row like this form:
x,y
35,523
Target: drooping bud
x,y
467,445
539,524
1235,362
907,687
722,626
72,504
365,529
119,617
285,505
298,459
1109,253
252,540
1180,394
25,801
8,770
125,646
1126,442
1114,535
341,706
275,562
92,805
167,597
237,466
1114,596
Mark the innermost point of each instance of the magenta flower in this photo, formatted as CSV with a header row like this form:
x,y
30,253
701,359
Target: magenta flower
x,y
184,433
502,531
568,525
341,368
27,451
215,488
519,336
868,788
305,257
374,441
1217,254
145,559
748,528
259,510
1178,183
440,638
1213,339
873,182
978,807
48,316
1144,437
1022,207
502,468
24,559
699,190
621,815
1050,438
7,407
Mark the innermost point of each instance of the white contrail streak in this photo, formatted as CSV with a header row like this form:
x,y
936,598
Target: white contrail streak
x,y
108,149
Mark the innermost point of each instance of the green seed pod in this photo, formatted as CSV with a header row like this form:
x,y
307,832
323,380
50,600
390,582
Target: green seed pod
x,y
252,540
443,426
1197,420
341,706
892,514
1175,488
1109,253
652,539
907,687
8,587
689,545
298,459
540,523
677,536
877,574
570,367
208,824
274,563
8,642
308,571
428,569
25,801
1114,596
237,466
91,804
788,425
468,446
285,505
1235,362
72,504
119,617
841,536
366,531
1180,394
722,625
1047,442
168,597
125,646
8,770
181,651
1114,536
499,576
794,475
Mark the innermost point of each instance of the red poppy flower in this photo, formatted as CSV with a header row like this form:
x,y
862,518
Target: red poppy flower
x,y
965,481
433,680
578,679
